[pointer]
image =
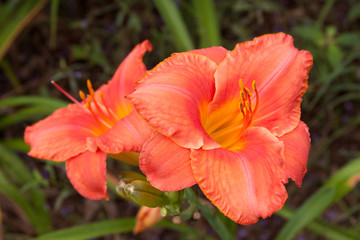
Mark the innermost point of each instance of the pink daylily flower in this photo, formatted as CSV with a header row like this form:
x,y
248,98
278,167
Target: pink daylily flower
x,y
83,133
229,122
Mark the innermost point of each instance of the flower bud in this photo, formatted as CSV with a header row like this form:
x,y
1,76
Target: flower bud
x,y
120,187
131,158
145,218
132,174
175,197
143,193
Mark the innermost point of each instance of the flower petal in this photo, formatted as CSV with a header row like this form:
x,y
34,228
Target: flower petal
x,y
247,184
217,54
61,135
128,134
122,83
165,164
296,150
280,72
86,172
172,96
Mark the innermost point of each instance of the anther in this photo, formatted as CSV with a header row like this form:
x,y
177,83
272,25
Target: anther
x,y
247,91
242,95
89,85
82,95
241,84
254,85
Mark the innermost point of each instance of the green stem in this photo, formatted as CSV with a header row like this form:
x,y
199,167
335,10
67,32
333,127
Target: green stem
x,y
212,217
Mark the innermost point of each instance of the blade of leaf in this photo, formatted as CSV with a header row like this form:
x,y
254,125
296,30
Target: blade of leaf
x,y
52,103
41,223
53,22
92,230
328,231
341,183
175,23
209,25
16,144
19,17
25,114
34,208
312,208
10,74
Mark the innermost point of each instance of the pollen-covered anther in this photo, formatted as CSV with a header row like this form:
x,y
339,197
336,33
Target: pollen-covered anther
x,y
97,107
246,107
82,95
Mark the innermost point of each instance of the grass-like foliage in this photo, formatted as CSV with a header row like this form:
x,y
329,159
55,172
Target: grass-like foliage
x,y
71,41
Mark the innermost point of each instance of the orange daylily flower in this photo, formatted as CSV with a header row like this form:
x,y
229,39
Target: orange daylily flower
x,y
229,122
83,133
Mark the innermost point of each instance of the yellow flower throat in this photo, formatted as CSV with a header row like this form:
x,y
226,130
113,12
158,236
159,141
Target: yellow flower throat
x,y
227,124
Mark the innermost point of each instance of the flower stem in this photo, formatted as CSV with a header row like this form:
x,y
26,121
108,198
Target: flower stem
x,y
213,218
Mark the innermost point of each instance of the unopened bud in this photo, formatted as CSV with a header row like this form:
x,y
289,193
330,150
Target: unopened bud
x,y
132,174
175,197
143,193
163,211
131,158
120,187
145,218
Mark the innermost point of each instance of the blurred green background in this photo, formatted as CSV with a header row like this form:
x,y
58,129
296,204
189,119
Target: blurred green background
x,y
71,41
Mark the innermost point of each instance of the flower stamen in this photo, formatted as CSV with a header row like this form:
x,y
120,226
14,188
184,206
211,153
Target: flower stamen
x,y
246,104
99,110
112,114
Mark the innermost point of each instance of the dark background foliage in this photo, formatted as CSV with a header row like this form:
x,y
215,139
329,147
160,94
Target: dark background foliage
x,y
72,41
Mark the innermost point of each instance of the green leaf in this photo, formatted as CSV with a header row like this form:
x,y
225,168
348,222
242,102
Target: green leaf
x,y
334,55
91,230
326,230
209,26
354,12
12,167
309,33
52,103
53,22
312,208
341,183
175,23
25,114
15,15
344,180
349,39
16,144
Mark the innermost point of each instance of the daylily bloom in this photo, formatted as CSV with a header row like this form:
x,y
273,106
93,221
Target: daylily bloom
x,y
229,122
84,132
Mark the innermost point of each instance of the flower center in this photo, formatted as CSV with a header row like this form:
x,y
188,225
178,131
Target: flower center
x,y
95,105
98,108
227,124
